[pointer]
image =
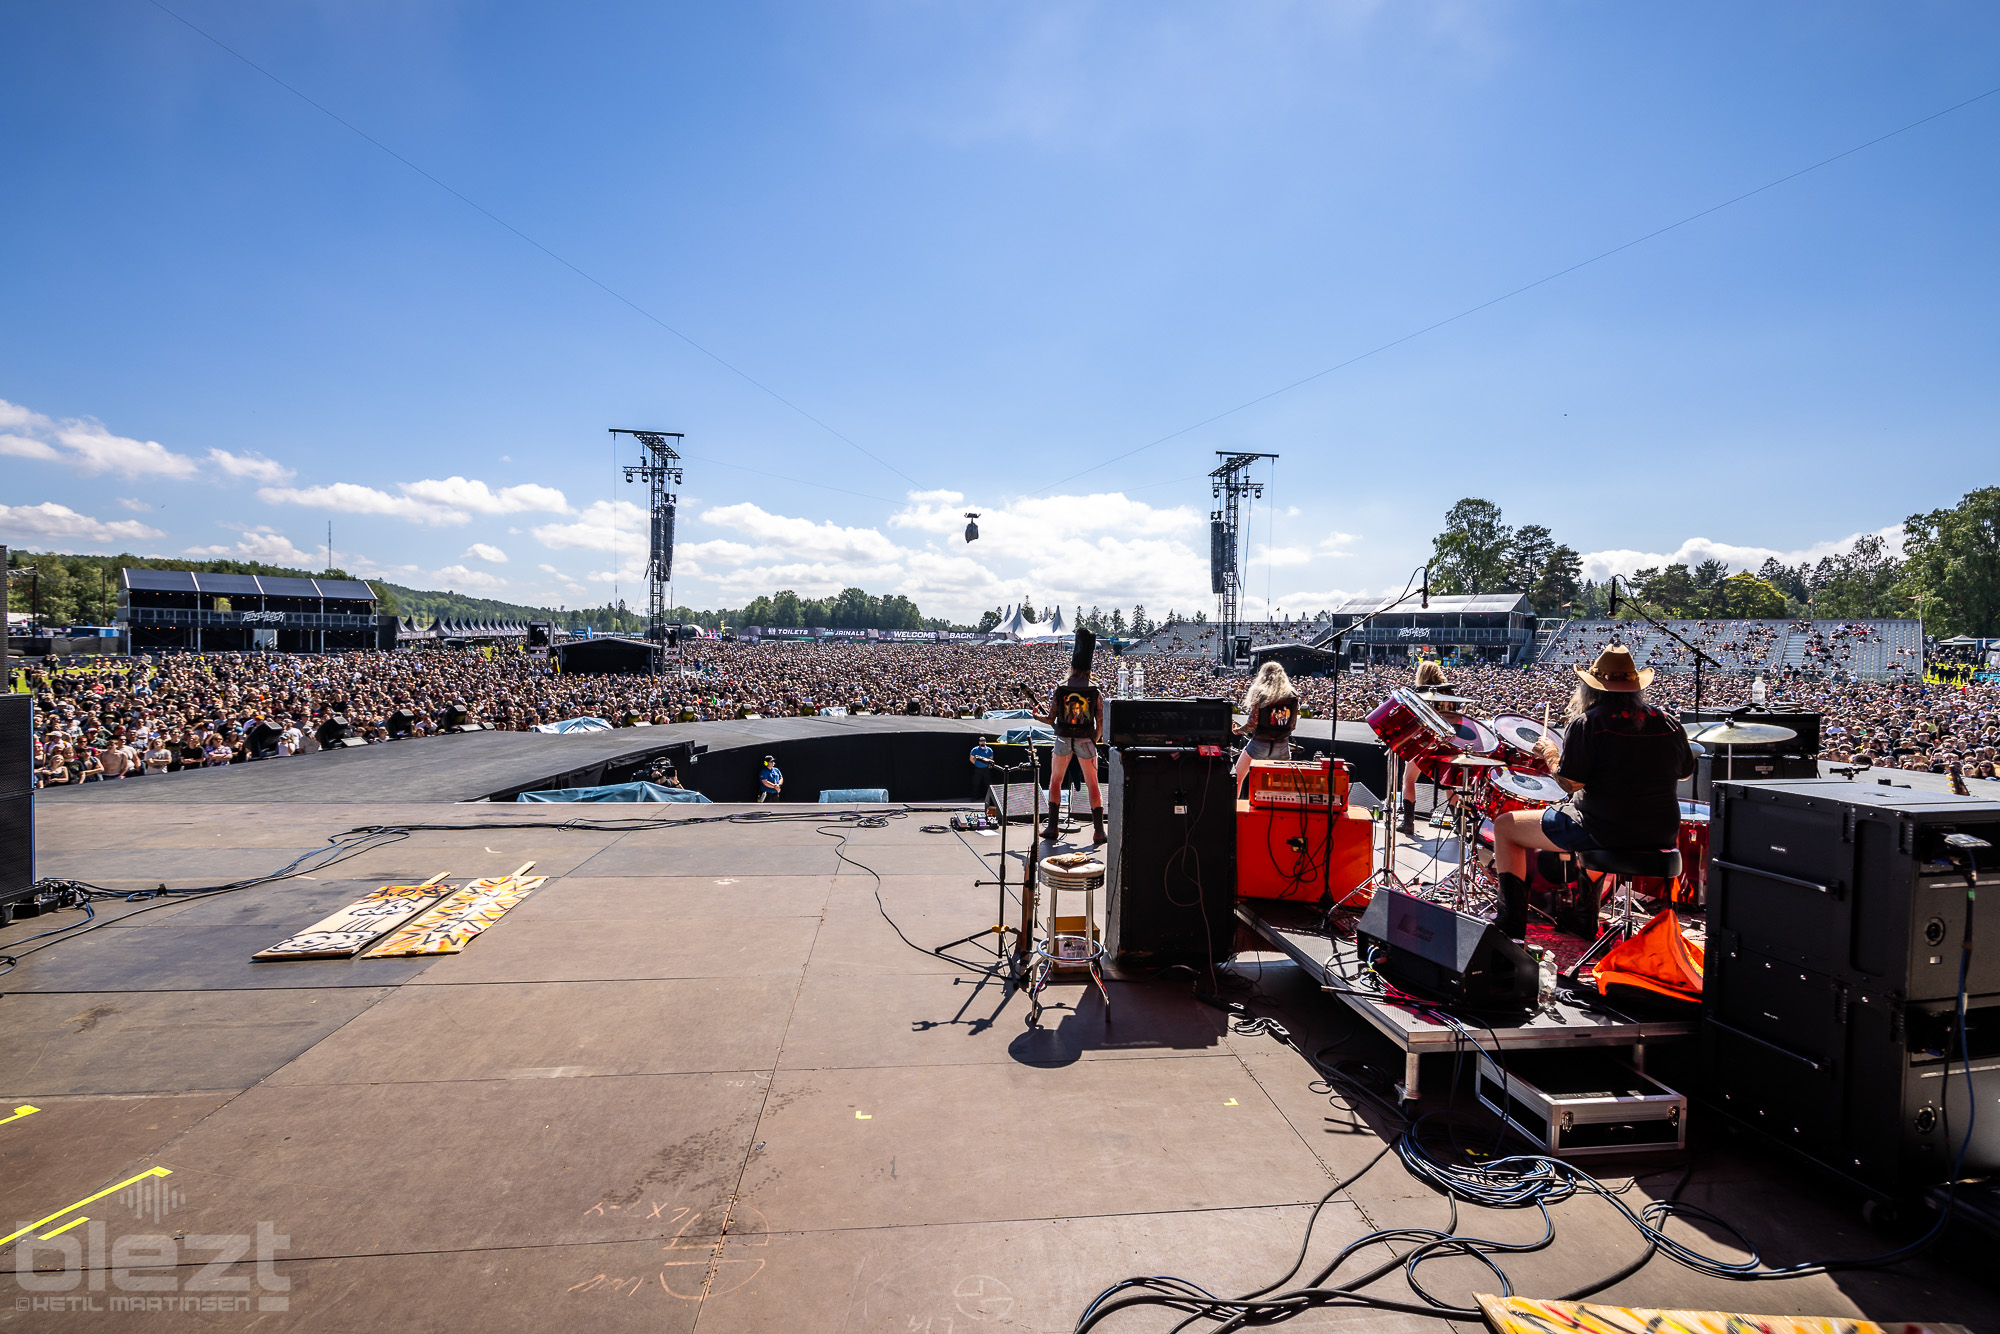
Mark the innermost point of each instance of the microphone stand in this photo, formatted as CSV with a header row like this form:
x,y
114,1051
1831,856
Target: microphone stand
x,y
1699,655
1395,786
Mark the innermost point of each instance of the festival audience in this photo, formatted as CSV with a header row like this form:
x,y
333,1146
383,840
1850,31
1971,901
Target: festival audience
x,y
129,718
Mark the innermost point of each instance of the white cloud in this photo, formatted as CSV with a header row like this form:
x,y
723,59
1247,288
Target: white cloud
x,y
136,505
59,523
456,577
353,498
802,537
262,543
254,467
1263,555
605,526
85,445
452,500
464,494
1601,565
483,551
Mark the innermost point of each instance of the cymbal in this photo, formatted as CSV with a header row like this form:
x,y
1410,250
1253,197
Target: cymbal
x,y
1738,734
1440,697
1477,762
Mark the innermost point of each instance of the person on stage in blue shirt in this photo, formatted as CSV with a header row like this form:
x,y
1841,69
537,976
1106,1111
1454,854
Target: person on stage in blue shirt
x,y
771,780
982,754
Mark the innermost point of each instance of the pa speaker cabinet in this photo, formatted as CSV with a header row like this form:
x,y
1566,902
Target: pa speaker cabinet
x,y
1853,881
17,798
1172,863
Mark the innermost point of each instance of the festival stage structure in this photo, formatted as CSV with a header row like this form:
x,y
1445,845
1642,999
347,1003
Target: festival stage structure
x,y
756,1067
233,613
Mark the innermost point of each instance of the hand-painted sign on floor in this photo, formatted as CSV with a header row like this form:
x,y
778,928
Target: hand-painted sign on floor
x,y
446,927
349,931
1531,1315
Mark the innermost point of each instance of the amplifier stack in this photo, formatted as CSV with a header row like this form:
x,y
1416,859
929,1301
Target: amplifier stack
x,y
1837,916
17,804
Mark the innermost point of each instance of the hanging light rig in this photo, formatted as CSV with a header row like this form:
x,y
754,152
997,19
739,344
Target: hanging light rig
x,y
972,528
660,467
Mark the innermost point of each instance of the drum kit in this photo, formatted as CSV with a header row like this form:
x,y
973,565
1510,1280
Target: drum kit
x,y
1483,770
1486,769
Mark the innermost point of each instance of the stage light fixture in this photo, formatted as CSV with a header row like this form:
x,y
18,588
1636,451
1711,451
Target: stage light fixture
x,y
972,529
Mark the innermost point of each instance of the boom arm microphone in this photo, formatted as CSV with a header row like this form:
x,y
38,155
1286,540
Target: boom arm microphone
x,y
1614,597
1427,587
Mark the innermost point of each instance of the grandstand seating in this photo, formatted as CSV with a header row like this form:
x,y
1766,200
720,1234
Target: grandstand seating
x,y
1203,639
1866,649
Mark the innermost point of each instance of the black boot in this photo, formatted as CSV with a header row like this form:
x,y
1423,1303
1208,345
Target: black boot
x,y
1053,833
1097,823
1513,916
1407,825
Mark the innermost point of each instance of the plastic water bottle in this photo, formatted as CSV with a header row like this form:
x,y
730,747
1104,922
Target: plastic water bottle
x,y
1546,988
1124,681
1759,692
1139,680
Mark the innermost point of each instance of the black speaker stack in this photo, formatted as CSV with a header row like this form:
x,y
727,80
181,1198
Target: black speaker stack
x,y
17,802
1171,868
1837,917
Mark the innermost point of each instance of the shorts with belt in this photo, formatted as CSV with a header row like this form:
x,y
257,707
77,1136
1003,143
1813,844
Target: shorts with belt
x,y
1083,747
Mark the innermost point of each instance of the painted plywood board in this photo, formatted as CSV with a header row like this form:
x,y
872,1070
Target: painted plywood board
x,y
1533,1315
349,931
446,927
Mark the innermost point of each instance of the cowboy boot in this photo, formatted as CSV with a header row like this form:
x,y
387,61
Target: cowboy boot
x,y
1097,823
1513,915
1406,824
1053,832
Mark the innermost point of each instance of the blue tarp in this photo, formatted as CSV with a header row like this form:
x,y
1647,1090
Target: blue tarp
x,y
575,725
614,792
1008,713
839,794
1021,736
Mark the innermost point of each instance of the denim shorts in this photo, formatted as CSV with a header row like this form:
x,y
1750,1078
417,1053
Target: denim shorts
x,y
1080,746
1259,749
1561,828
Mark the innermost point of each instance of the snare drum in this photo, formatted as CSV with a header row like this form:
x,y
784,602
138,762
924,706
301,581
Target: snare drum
x,y
1411,728
1518,737
1519,790
1691,890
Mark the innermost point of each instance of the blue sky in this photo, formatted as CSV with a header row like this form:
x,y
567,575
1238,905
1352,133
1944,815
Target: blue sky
x,y
989,247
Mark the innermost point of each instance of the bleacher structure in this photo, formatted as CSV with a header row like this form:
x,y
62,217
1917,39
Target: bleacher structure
x,y
1869,650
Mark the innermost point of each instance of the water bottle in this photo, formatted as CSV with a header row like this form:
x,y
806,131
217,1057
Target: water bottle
x,y
1139,680
1124,681
1759,691
1065,806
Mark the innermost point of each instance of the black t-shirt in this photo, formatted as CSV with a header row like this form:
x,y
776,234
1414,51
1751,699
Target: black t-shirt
x,y
1276,718
1628,757
1075,711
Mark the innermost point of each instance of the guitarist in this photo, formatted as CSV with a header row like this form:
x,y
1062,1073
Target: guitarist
x,y
1076,711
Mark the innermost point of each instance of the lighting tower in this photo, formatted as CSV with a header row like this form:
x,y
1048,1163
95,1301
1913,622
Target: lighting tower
x,y
1231,485
660,469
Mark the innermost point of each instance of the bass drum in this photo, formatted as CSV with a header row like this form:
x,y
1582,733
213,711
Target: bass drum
x,y
1518,737
1519,790
1691,889
1410,727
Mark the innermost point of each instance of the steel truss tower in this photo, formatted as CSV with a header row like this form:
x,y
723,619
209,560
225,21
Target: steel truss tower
x,y
1230,484
660,469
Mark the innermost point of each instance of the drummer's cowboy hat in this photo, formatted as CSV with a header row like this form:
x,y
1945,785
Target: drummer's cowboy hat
x,y
1614,671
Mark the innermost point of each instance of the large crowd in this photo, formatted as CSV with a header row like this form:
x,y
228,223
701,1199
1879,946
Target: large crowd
x,y
129,717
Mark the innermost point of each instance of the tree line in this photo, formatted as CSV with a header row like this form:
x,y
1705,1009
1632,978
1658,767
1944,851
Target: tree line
x,y
1948,574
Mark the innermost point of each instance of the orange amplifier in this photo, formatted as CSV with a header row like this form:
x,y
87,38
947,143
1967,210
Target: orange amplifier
x,y
1277,784
1291,853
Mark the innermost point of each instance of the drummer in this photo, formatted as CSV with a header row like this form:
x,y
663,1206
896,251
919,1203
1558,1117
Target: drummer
x,y
1435,690
1621,757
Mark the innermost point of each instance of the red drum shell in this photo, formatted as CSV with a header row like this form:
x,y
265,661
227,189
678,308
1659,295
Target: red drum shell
x,y
1519,790
1692,888
1410,728
1517,737
1473,737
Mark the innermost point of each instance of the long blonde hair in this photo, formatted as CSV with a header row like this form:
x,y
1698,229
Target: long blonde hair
x,y
1430,672
1585,698
1270,683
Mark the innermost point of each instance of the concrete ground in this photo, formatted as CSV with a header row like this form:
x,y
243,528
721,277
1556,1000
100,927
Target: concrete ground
x,y
698,1080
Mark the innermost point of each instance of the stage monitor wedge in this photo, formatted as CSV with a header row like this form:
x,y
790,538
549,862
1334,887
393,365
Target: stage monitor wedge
x,y
1438,954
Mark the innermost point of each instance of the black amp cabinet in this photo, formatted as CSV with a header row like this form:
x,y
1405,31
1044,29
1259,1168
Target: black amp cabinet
x,y
1836,913
17,800
1171,867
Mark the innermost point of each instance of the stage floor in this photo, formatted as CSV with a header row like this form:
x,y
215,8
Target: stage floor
x,y
698,1080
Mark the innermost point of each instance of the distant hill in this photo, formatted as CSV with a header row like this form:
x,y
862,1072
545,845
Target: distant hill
x,y
429,604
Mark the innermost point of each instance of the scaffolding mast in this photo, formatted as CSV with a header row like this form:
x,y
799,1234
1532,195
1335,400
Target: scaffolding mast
x,y
1230,483
660,468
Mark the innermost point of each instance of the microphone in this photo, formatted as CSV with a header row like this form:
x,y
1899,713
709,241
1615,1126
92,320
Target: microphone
x,y
1427,588
1614,597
